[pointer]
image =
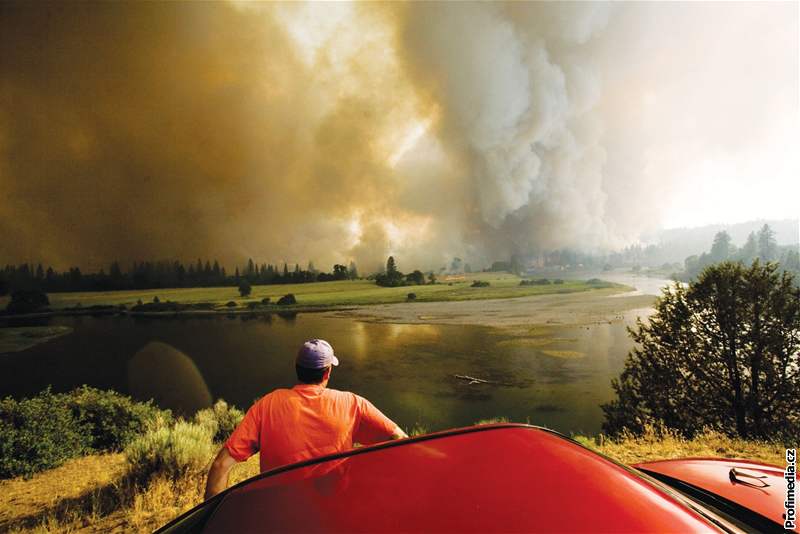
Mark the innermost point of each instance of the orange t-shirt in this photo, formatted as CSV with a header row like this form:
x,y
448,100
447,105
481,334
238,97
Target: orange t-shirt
x,y
309,420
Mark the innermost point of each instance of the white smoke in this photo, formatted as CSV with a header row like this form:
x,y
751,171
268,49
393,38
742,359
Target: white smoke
x,y
295,132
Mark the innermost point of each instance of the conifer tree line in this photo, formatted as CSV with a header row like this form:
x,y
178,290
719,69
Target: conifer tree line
x,y
163,274
760,246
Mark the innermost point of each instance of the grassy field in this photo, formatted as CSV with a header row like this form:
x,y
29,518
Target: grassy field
x,y
88,494
328,294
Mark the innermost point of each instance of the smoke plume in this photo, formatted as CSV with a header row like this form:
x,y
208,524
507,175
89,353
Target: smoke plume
x,y
338,132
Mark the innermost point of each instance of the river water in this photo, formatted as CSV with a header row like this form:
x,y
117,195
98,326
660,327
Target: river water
x,y
554,376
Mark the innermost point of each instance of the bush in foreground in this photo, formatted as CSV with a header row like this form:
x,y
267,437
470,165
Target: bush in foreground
x,y
181,450
112,420
44,431
37,434
221,420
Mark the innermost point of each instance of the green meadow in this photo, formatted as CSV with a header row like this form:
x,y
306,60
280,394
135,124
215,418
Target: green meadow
x,y
333,294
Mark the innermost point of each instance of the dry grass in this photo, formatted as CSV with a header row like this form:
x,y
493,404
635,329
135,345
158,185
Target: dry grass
x,y
94,494
661,444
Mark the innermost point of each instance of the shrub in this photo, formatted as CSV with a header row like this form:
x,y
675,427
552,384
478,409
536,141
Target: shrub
x,y
416,278
38,433
480,283
44,431
221,420
156,300
230,304
537,282
287,300
27,301
253,305
244,288
558,281
183,449
265,300
411,296
492,421
111,420
418,430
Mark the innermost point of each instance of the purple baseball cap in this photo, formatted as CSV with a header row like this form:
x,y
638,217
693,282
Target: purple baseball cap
x,y
316,354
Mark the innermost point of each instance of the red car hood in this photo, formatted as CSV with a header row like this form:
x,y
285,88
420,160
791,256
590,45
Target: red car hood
x,y
505,478
753,485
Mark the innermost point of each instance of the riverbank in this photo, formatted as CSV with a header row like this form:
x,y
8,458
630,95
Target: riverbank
x,y
577,308
88,494
362,298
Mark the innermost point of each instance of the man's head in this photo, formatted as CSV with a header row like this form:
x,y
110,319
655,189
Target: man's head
x,y
314,361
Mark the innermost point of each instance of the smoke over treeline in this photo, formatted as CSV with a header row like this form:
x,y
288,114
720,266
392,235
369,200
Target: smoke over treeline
x,y
332,133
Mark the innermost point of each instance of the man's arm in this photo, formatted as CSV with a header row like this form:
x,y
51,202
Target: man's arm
x,y
373,426
219,473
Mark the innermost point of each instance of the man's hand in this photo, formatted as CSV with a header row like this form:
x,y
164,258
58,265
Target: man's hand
x,y
398,433
219,473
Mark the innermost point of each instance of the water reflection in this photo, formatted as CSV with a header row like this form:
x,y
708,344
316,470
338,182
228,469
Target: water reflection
x,y
554,376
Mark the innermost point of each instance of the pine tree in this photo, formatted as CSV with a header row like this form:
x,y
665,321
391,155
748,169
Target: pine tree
x,y
767,247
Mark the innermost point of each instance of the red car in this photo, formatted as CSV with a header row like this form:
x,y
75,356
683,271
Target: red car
x,y
495,478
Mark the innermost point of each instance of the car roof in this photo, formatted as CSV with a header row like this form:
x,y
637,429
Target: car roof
x,y
504,477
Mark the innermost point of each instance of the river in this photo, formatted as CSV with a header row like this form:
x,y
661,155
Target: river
x,y
551,375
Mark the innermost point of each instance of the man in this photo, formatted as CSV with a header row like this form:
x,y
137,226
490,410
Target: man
x,y
309,420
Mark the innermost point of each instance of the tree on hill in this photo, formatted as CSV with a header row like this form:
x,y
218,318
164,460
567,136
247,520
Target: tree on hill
x,y
767,247
721,248
723,353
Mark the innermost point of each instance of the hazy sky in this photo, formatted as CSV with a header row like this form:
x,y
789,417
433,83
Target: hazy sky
x,y
330,132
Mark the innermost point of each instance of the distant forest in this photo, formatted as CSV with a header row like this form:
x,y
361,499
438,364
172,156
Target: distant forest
x,y
759,245
162,274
